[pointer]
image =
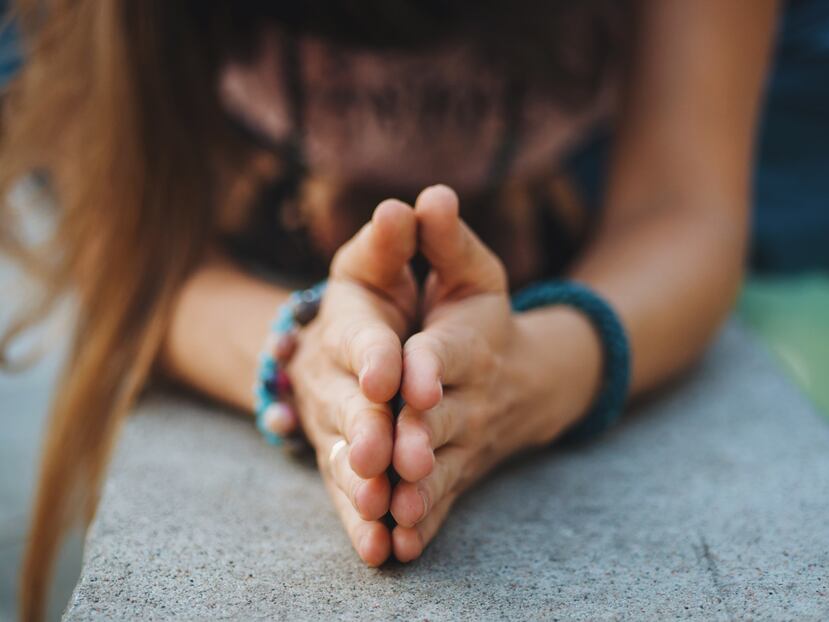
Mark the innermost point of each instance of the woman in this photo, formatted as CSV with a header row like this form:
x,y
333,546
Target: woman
x,y
187,142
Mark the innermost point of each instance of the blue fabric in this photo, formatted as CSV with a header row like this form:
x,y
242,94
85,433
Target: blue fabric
x,y
10,60
790,230
791,218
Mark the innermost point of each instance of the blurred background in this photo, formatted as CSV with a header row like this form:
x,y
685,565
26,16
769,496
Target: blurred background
x,y
24,404
785,301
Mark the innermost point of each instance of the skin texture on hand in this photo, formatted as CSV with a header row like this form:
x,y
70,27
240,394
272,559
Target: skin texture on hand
x,y
348,365
667,255
470,378
465,376
472,395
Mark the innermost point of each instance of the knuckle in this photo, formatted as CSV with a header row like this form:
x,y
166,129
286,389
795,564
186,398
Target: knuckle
x,y
340,414
383,412
351,333
442,483
430,492
345,409
451,478
460,472
375,336
440,426
429,341
406,420
353,406
331,336
350,489
477,428
359,336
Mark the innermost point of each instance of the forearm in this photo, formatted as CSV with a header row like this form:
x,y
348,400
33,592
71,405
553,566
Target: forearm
x,y
668,255
219,323
670,275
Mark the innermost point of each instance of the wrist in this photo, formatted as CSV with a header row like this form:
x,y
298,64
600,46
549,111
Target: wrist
x,y
219,320
557,361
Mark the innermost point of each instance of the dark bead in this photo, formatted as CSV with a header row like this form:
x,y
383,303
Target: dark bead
x,y
282,384
307,307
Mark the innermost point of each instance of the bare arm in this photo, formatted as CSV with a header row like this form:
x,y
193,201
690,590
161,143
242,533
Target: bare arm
x,y
218,328
481,383
670,249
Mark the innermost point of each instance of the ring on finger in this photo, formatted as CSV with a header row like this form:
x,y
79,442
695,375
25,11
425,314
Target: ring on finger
x,y
336,448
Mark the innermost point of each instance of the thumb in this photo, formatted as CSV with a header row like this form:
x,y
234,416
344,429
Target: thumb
x,y
460,261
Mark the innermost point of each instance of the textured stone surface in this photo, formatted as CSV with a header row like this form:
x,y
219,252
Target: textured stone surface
x,y
709,502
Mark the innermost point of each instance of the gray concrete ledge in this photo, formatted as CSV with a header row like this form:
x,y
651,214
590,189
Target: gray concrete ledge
x,y
710,502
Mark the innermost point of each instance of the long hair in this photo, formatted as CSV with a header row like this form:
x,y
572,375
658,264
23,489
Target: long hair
x,y
129,154
116,111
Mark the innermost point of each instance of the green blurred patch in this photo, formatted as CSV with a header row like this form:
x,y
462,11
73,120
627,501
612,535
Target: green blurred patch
x,y
791,315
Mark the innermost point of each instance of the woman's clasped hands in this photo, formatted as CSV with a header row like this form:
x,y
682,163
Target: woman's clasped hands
x,y
452,349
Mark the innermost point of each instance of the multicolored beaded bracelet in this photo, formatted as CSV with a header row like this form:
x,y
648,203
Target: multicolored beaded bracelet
x,y
272,382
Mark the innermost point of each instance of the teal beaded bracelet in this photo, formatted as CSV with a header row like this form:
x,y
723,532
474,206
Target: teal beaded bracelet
x,y
271,381
610,402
